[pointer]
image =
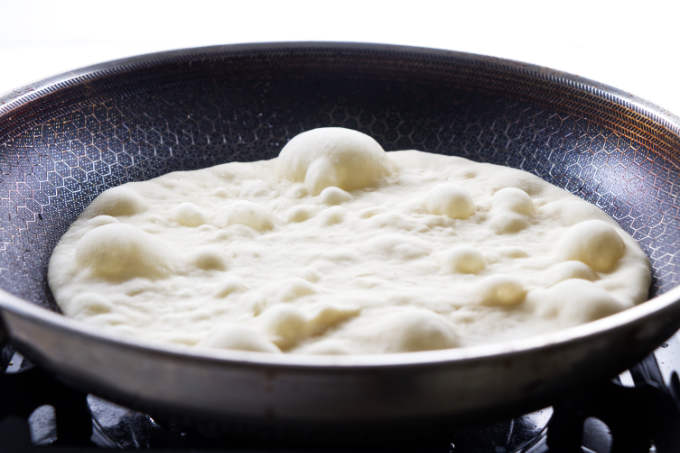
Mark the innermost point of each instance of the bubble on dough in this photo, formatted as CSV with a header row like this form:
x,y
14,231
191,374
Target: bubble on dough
x,y
567,270
236,231
138,287
249,214
416,329
230,286
393,220
334,195
238,337
332,216
221,193
188,214
311,275
507,222
398,247
577,301
209,260
369,212
501,290
295,288
593,242
118,251
330,316
297,191
512,252
116,202
465,260
339,255
449,199
207,228
333,156
513,199
300,213
286,325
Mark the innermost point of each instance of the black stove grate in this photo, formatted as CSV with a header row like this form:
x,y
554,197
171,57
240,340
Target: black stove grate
x,y
39,411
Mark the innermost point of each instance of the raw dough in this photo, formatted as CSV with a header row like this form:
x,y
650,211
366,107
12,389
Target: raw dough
x,y
337,247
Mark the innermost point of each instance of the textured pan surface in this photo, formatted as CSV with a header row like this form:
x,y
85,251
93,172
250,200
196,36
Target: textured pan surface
x,y
65,140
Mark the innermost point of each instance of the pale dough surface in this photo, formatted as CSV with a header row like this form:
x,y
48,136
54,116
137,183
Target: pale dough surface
x,y
337,247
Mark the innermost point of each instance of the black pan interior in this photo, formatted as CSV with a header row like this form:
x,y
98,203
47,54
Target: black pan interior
x,y
64,143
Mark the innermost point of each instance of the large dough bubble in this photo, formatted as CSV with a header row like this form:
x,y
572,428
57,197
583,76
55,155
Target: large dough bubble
x,y
593,242
333,156
118,251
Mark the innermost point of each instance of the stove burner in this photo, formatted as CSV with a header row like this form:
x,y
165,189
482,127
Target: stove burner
x,y
631,420
637,417
25,391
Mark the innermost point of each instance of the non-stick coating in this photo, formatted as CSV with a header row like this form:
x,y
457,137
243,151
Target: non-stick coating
x,y
64,141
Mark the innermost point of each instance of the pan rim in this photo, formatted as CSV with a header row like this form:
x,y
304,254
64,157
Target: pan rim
x,y
667,301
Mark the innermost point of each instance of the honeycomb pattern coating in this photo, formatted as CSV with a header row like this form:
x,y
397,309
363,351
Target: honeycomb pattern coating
x,y
61,149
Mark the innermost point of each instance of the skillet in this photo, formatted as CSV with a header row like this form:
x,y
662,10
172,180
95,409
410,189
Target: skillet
x,y
66,139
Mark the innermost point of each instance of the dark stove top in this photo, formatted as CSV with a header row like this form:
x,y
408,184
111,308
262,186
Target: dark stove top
x,y
636,412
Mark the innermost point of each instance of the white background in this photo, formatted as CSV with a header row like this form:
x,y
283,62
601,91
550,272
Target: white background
x,y
631,45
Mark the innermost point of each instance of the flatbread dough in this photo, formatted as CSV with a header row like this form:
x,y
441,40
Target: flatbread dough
x,y
337,247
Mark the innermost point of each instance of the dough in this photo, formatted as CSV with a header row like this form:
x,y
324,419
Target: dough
x,y
338,247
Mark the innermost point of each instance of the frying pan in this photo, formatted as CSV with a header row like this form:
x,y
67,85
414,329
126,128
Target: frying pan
x,y
66,139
